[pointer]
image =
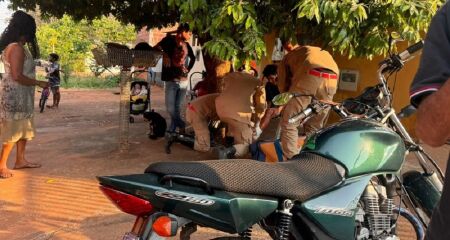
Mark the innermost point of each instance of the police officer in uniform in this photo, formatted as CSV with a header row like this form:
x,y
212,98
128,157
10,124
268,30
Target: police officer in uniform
x,y
198,114
241,106
305,70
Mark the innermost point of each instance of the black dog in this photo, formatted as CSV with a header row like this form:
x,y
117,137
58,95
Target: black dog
x,y
158,124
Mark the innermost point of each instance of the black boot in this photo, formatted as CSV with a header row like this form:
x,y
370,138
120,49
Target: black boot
x,y
226,153
170,139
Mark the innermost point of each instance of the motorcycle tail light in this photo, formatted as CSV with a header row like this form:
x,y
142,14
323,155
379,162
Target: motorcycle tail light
x,y
128,203
165,226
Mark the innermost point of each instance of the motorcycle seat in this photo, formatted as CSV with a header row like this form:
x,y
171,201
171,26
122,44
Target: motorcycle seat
x,y
299,179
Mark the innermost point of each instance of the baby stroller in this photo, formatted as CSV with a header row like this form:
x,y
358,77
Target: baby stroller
x,y
139,98
140,104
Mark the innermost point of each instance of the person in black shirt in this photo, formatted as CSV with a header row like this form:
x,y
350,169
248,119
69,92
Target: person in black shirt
x,y
178,60
270,75
430,92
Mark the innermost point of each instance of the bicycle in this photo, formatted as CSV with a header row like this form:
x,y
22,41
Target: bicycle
x,y
44,97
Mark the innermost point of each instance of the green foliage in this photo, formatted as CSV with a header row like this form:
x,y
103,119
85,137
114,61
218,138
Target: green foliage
x,y
91,82
108,29
234,29
350,27
231,28
362,27
73,41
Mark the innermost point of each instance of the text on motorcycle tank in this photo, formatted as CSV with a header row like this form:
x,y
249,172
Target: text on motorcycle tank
x,y
335,211
184,198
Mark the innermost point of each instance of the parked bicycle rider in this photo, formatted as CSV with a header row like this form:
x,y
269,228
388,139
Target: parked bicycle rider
x,y
54,78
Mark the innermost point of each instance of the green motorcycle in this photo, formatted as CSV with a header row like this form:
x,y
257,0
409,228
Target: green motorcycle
x,y
346,182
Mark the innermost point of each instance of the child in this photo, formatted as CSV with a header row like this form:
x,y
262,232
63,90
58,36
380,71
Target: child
x,y
54,78
143,91
136,89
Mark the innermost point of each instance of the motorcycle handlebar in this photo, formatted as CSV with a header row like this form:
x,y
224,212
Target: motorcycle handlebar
x,y
411,50
302,115
317,106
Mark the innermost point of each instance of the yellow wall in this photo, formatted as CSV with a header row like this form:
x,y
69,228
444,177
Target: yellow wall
x,y
368,77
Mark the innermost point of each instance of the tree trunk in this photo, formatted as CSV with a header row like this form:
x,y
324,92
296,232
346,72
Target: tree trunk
x,y
124,112
269,39
215,71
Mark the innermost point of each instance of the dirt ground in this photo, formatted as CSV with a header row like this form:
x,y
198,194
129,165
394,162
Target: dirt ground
x,y
75,144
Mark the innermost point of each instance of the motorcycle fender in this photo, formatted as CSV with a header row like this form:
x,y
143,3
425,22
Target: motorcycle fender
x,y
225,211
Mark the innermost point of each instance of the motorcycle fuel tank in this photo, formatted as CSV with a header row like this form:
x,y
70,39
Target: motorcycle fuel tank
x,y
229,212
361,146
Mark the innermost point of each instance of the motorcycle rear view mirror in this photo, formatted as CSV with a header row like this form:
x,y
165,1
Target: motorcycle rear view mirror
x,y
282,98
393,38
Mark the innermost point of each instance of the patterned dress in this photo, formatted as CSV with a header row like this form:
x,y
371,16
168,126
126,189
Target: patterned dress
x,y
16,102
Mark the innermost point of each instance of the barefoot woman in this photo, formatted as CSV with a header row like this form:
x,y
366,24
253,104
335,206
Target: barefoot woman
x,y
18,49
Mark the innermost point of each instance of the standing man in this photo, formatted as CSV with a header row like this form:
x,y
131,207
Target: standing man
x,y
241,106
178,60
198,114
305,70
430,92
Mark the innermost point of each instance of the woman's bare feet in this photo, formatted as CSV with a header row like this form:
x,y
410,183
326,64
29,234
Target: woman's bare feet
x,y
5,173
27,165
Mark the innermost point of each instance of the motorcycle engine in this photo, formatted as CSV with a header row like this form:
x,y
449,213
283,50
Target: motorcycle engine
x,y
374,214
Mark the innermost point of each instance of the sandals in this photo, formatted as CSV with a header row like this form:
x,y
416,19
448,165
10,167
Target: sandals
x,y
28,165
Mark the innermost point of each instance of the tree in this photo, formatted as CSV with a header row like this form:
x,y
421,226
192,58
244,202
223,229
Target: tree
x,y
73,40
350,27
235,29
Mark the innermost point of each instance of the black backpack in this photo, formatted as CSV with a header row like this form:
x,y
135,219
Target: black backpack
x,y
158,124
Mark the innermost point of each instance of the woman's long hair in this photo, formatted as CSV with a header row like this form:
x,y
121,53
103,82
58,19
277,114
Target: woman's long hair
x,y
21,25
